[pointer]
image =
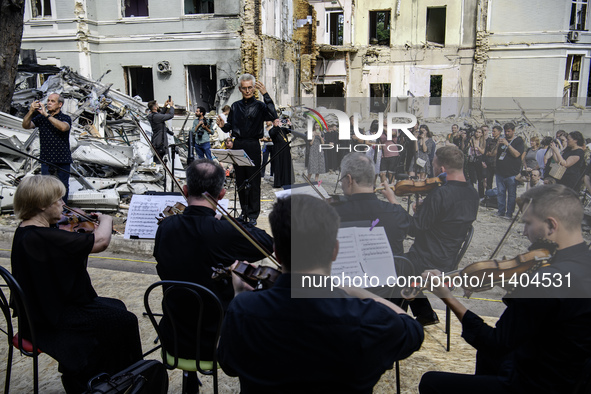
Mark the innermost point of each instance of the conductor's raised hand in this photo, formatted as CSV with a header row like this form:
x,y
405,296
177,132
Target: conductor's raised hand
x,y
260,87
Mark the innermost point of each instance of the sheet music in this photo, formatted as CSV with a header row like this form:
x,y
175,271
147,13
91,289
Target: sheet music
x,y
144,210
364,252
303,189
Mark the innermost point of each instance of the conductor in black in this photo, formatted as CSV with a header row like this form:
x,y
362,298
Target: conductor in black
x,y
245,122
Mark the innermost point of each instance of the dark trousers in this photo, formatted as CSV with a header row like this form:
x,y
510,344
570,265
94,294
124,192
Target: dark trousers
x,y
446,382
490,175
250,195
485,380
476,174
268,152
62,175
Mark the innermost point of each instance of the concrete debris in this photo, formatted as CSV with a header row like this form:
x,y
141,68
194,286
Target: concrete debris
x,y
111,157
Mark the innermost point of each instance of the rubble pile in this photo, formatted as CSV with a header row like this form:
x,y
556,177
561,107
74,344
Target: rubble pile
x,y
112,158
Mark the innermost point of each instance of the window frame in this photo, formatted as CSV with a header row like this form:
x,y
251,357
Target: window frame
x,y
374,35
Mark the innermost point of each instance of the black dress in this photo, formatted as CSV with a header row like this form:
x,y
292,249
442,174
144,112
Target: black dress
x,y
572,175
283,174
85,333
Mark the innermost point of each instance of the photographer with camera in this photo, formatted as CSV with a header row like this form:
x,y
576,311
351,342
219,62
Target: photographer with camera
x,y
159,129
202,132
531,178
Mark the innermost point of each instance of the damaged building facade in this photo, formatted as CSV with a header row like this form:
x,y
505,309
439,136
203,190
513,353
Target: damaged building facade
x,y
489,60
192,50
404,55
541,56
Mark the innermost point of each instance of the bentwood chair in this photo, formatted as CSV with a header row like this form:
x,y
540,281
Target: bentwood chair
x,y
459,258
28,347
206,308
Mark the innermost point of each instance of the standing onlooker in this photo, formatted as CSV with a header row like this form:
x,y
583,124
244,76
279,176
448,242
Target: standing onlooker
x,y
431,142
423,150
282,164
561,143
485,131
332,138
316,164
490,155
573,158
529,156
508,166
267,149
542,152
390,154
452,137
202,132
475,160
54,137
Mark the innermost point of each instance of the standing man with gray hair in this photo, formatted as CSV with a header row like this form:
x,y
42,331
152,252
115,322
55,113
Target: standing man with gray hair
x,y
245,122
54,137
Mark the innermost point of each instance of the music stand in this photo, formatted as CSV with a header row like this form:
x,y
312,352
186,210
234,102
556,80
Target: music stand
x,y
236,157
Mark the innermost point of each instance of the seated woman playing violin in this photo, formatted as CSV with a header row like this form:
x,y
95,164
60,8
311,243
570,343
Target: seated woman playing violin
x,y
85,333
542,340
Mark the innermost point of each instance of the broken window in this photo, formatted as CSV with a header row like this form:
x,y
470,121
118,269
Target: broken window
x,y
578,15
139,82
379,94
201,86
134,8
572,79
198,7
436,24
40,8
435,88
379,27
334,27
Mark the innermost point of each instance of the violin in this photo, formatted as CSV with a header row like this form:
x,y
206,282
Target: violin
x,y
77,221
258,277
409,187
177,209
494,272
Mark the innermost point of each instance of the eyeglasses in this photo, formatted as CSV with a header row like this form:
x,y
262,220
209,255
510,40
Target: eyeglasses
x,y
247,88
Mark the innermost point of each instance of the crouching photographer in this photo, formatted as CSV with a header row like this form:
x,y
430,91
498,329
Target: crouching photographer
x,y
530,177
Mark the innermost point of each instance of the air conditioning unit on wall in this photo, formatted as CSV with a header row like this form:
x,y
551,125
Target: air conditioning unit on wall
x,y
573,36
164,67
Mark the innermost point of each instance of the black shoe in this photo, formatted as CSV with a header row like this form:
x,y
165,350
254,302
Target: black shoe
x,y
428,320
252,222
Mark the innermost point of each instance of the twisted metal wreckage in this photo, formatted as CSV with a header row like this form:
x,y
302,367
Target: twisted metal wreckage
x,y
112,158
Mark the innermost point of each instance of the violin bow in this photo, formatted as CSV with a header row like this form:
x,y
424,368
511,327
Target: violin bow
x,y
81,214
241,229
309,181
502,242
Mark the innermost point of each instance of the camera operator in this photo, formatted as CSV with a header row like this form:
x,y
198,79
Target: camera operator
x,y
202,132
531,178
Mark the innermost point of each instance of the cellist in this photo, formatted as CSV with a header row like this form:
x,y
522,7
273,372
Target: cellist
x,y
542,340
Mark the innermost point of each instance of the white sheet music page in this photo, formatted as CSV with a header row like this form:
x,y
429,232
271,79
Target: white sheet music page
x,y
144,210
364,252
